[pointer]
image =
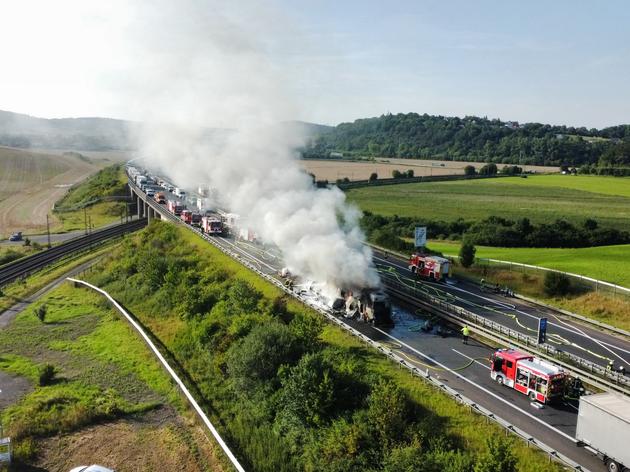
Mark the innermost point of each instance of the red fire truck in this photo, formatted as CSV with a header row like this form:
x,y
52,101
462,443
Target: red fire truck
x,y
540,380
432,267
186,216
196,220
212,225
175,207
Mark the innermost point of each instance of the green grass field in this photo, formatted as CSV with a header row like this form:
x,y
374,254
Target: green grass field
x,y
108,388
542,198
107,182
608,263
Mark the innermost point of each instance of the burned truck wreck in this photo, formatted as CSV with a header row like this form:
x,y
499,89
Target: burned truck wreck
x,y
368,305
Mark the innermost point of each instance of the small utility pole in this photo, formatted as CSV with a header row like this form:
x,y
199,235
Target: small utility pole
x,y
90,224
48,230
85,220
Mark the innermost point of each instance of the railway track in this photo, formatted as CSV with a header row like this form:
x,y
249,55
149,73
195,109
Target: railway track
x,y
26,266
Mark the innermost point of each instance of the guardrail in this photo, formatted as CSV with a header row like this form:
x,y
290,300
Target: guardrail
x,y
169,369
589,371
585,319
552,453
586,281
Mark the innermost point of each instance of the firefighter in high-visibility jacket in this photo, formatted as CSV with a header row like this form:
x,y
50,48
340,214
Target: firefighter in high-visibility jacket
x,y
465,333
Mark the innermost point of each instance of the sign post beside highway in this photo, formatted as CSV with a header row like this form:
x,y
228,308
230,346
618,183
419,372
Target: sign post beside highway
x,y
421,236
542,330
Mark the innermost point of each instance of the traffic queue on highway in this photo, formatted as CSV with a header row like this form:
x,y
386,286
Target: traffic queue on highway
x,y
368,304
542,381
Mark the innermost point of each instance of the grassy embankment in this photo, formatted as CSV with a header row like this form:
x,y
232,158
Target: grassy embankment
x,y
105,378
288,391
541,198
606,263
110,181
17,291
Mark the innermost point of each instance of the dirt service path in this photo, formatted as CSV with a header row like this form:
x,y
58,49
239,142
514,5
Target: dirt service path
x,y
30,183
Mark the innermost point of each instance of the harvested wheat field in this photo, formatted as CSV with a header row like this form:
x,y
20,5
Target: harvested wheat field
x,y
31,182
332,170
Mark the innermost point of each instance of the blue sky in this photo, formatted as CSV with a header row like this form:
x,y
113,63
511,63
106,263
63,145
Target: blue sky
x,y
559,62
554,61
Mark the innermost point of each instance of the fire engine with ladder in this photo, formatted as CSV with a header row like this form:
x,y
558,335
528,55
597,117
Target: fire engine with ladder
x,y
536,378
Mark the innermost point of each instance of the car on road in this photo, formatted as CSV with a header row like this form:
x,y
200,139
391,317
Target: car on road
x,y
91,468
16,236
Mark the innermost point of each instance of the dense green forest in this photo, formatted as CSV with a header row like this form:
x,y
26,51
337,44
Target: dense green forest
x,y
473,138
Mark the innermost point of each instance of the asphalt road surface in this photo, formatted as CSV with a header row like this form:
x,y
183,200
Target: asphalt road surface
x,y
522,316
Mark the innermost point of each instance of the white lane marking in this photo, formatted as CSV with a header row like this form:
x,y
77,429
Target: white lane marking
x,y
471,359
483,389
242,251
573,329
569,328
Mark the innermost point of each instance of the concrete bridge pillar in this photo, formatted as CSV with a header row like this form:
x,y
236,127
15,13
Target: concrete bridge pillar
x,y
147,211
139,206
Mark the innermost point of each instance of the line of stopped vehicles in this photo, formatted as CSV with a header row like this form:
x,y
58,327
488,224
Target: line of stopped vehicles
x,y
603,418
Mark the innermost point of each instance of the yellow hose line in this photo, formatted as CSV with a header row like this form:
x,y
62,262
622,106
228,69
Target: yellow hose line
x,y
398,348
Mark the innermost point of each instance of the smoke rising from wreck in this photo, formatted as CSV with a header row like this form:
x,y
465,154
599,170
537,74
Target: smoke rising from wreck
x,y
215,71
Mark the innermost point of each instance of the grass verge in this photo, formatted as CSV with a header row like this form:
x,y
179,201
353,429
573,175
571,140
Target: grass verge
x,y
542,199
607,263
103,373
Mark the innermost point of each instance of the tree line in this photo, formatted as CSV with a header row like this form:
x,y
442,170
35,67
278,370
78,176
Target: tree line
x,y
475,139
390,231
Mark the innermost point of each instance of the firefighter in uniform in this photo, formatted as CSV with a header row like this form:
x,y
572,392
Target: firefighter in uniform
x,y
465,333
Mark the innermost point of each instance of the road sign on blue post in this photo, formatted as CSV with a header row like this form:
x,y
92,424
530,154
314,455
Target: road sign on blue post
x,y
542,330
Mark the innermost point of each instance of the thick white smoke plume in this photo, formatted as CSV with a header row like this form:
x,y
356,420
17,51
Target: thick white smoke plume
x,y
201,65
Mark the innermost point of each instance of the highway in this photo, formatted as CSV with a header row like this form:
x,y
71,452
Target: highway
x,y
465,368
565,333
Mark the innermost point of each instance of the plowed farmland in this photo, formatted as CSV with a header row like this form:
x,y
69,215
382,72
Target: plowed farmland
x,y
31,182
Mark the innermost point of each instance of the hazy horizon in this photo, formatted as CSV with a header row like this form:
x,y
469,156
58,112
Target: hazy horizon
x,y
559,63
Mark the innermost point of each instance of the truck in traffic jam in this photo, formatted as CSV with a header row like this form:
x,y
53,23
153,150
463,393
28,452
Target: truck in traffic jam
x,y
603,424
196,220
430,267
186,216
540,380
211,224
160,197
175,207
247,234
